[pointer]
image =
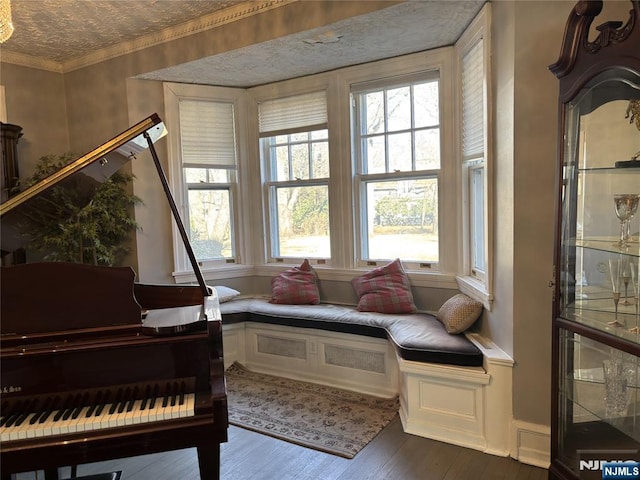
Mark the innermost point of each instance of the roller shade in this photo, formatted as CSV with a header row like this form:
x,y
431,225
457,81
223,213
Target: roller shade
x,y
292,113
473,103
207,133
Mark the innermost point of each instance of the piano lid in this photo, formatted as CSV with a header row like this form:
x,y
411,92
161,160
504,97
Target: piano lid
x,y
84,175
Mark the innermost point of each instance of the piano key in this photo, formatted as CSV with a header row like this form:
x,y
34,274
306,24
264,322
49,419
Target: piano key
x,y
139,412
20,433
71,417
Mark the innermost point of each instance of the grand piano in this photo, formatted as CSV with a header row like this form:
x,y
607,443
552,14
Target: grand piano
x,y
95,365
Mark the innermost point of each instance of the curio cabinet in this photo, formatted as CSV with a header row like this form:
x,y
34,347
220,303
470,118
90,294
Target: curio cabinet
x,y
596,324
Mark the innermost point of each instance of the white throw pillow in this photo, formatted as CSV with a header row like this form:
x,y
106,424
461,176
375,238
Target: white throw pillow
x,y
225,293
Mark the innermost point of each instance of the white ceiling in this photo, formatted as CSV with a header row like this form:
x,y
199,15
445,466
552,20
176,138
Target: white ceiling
x,y
68,32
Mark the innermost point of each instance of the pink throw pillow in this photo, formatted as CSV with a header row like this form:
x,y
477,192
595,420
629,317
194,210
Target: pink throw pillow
x,y
385,289
296,286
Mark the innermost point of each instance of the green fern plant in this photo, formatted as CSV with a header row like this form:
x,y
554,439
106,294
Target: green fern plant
x,y
80,221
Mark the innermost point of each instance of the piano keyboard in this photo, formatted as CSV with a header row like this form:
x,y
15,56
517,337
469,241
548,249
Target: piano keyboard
x,y
51,416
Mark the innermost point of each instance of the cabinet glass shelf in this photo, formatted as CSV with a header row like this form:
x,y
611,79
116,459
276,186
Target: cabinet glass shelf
x,y
607,244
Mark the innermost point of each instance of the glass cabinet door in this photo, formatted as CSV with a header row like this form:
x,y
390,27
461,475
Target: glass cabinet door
x,y
599,261
600,251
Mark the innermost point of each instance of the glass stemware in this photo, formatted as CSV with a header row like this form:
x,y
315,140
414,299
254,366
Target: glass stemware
x,y
635,282
614,274
626,206
634,210
625,272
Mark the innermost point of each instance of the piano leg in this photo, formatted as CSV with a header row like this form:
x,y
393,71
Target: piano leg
x,y
209,462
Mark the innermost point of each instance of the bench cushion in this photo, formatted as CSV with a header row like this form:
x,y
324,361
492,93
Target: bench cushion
x,y
417,337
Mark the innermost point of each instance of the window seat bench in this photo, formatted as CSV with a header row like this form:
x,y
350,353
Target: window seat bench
x,y
453,388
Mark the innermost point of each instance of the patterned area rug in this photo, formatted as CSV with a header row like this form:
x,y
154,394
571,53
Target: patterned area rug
x,y
315,416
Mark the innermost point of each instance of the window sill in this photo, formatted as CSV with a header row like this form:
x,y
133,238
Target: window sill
x,y
417,279
475,289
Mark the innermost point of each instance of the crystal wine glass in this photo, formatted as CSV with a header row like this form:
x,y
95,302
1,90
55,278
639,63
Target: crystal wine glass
x,y
625,273
634,209
614,275
626,205
635,282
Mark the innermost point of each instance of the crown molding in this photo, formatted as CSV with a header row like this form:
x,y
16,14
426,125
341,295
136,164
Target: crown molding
x,y
30,61
207,22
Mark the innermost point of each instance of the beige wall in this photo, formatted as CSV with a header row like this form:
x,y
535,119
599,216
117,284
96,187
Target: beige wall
x,y
36,100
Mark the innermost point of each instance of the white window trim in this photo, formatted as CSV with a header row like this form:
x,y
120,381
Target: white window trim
x,y
338,84
360,179
479,288
173,92
440,60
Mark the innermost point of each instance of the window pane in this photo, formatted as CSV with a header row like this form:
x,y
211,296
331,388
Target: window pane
x,y
210,224
299,137
374,113
427,149
207,175
402,220
282,163
400,152
300,161
398,109
320,159
477,219
302,222
373,155
320,134
426,105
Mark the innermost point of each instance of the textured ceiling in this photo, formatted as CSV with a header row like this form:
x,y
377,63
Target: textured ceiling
x,y
68,32
59,30
401,29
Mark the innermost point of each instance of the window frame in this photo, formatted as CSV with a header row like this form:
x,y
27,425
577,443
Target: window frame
x,y
362,179
477,284
173,94
270,185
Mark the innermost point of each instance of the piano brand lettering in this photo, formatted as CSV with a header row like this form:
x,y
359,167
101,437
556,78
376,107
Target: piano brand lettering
x,y
11,389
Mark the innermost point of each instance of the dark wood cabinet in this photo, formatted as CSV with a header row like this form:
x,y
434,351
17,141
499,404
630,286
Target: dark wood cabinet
x,y
596,324
10,135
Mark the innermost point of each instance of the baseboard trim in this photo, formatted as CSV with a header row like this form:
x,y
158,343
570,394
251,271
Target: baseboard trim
x,y
531,443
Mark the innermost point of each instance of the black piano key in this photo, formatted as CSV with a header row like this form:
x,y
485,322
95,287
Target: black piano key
x,y
11,420
30,408
103,404
132,401
114,405
73,405
49,410
167,394
152,402
79,405
11,413
41,412
92,408
20,420
123,401
63,408
182,391
146,399
174,394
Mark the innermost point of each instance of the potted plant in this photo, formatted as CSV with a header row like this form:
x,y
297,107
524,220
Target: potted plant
x,y
81,220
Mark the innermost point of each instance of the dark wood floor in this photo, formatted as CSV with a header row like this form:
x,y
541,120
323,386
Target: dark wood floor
x,y
392,455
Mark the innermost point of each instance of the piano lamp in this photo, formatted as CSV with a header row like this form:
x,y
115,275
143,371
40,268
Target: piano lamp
x,y
6,23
